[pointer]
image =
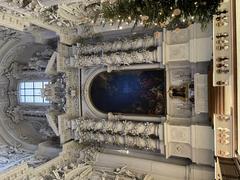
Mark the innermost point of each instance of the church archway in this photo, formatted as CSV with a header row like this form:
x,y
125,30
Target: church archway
x,y
139,92
92,111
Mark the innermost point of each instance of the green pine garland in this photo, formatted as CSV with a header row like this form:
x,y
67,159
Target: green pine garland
x,y
165,13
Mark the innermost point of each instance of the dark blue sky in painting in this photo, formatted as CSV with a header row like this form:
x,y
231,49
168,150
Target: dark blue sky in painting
x,y
131,92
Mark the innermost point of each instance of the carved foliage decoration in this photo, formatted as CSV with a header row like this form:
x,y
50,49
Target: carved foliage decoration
x,y
119,133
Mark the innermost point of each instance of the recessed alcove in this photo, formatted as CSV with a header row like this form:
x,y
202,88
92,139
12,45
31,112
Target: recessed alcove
x,y
140,92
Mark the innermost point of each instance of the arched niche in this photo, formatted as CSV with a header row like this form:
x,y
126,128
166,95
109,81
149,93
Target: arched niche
x,y
92,110
24,133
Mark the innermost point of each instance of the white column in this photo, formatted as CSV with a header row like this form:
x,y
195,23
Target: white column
x,y
117,58
119,140
124,133
145,129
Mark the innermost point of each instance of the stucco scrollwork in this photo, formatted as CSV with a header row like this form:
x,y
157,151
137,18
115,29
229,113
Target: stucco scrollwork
x,y
78,13
10,156
122,172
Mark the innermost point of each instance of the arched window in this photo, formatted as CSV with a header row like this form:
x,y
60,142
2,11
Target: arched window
x,y
30,92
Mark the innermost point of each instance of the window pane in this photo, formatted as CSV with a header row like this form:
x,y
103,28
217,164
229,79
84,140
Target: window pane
x,y
22,99
38,99
44,84
29,92
45,100
22,85
37,92
22,92
38,85
29,99
28,84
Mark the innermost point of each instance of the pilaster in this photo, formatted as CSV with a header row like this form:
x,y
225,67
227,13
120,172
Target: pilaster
x,y
193,142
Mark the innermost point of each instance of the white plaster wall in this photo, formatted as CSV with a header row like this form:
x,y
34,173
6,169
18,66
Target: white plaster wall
x,y
194,142
193,44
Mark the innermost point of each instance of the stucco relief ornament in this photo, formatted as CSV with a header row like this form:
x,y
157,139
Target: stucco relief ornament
x,y
121,58
6,33
78,13
118,128
148,56
114,127
147,130
125,127
74,13
50,16
19,3
134,130
123,171
108,1
126,58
